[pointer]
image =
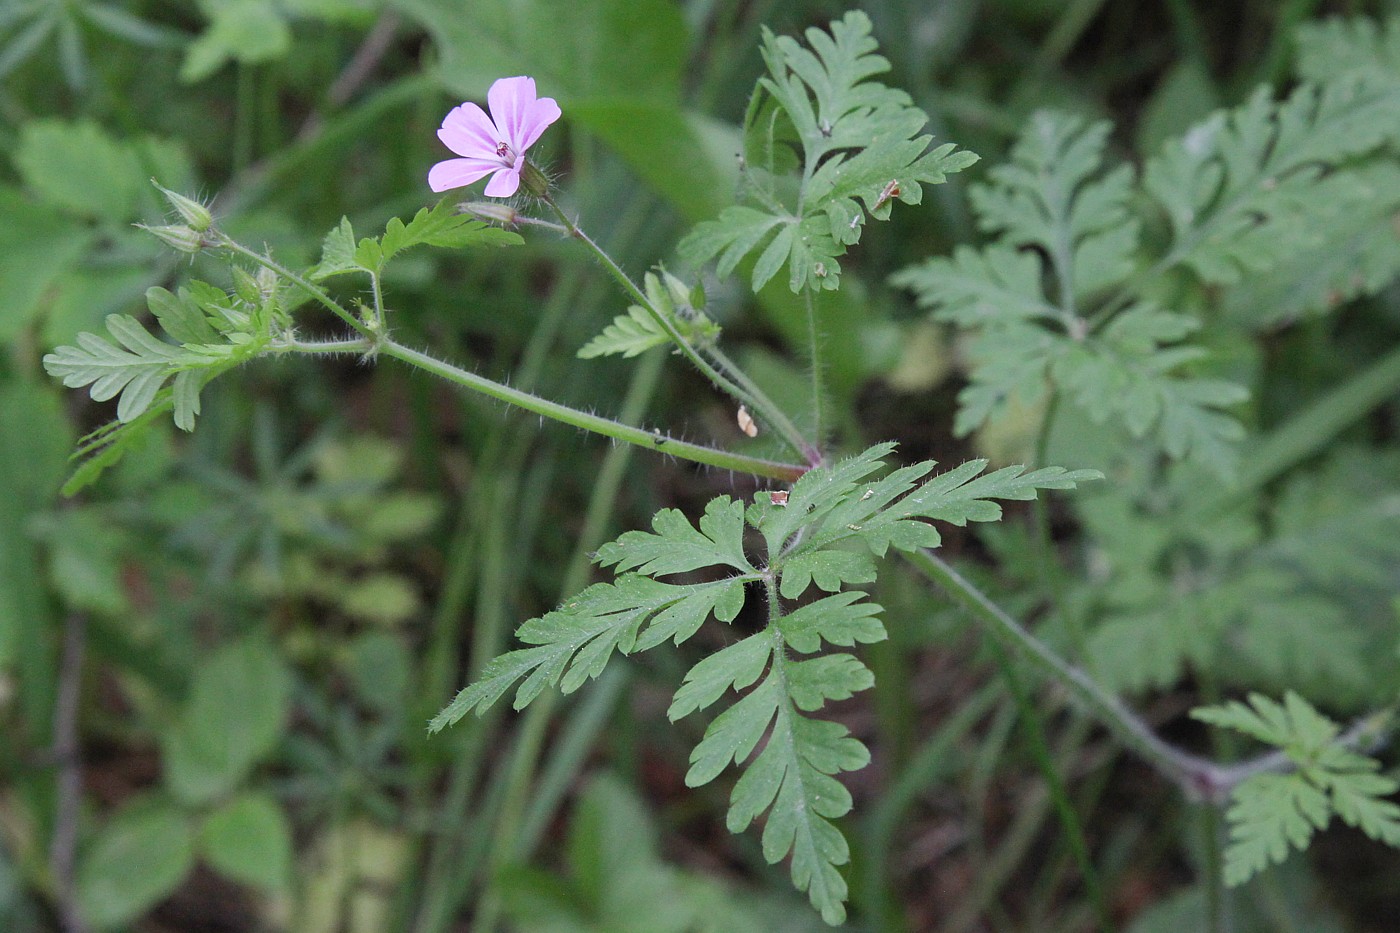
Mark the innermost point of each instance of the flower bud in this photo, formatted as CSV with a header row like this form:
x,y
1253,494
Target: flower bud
x,y
191,211
266,281
491,212
534,180
681,294
245,286
177,236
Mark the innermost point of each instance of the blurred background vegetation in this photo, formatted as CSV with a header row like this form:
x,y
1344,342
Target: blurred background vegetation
x,y
217,664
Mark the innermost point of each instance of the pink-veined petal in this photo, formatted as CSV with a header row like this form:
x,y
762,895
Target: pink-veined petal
x,y
511,101
458,173
508,99
468,131
504,183
544,112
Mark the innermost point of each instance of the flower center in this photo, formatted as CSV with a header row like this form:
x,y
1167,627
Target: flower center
x,y
503,150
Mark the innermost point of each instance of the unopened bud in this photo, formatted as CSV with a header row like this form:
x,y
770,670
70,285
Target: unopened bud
x,y
266,281
534,180
492,212
191,211
245,286
177,236
680,292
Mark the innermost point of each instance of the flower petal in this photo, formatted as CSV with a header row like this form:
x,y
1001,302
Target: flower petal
x,y
509,98
468,131
518,113
457,173
544,112
504,183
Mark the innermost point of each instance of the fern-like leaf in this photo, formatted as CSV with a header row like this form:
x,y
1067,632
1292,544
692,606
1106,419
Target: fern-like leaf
x,y
1054,195
439,225
574,643
676,546
638,330
147,372
1066,239
824,531
792,777
1240,189
860,151
1273,814
895,511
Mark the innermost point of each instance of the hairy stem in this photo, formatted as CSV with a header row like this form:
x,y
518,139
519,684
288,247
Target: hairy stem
x,y
814,349
652,440
1198,778
315,291
727,377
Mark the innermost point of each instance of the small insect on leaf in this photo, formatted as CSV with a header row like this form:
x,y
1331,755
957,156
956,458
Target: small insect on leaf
x,y
779,497
890,191
746,422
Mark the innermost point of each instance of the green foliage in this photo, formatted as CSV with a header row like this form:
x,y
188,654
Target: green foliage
x,y
638,330
25,28
1242,189
820,141
1065,239
36,432
617,878
1269,597
249,839
37,247
207,752
136,860
1355,46
808,539
315,527
215,332
86,172
1274,813
1258,199
265,612
440,226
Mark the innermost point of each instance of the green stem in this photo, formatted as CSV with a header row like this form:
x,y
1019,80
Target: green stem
x,y
653,440
637,295
378,292
1178,766
727,377
1199,778
814,348
315,291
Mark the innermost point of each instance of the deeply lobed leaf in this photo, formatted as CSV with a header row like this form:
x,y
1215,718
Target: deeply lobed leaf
x,y
676,546
1273,814
1066,240
860,152
574,643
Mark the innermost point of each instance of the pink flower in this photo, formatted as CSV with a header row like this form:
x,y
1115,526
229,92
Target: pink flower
x,y
494,144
